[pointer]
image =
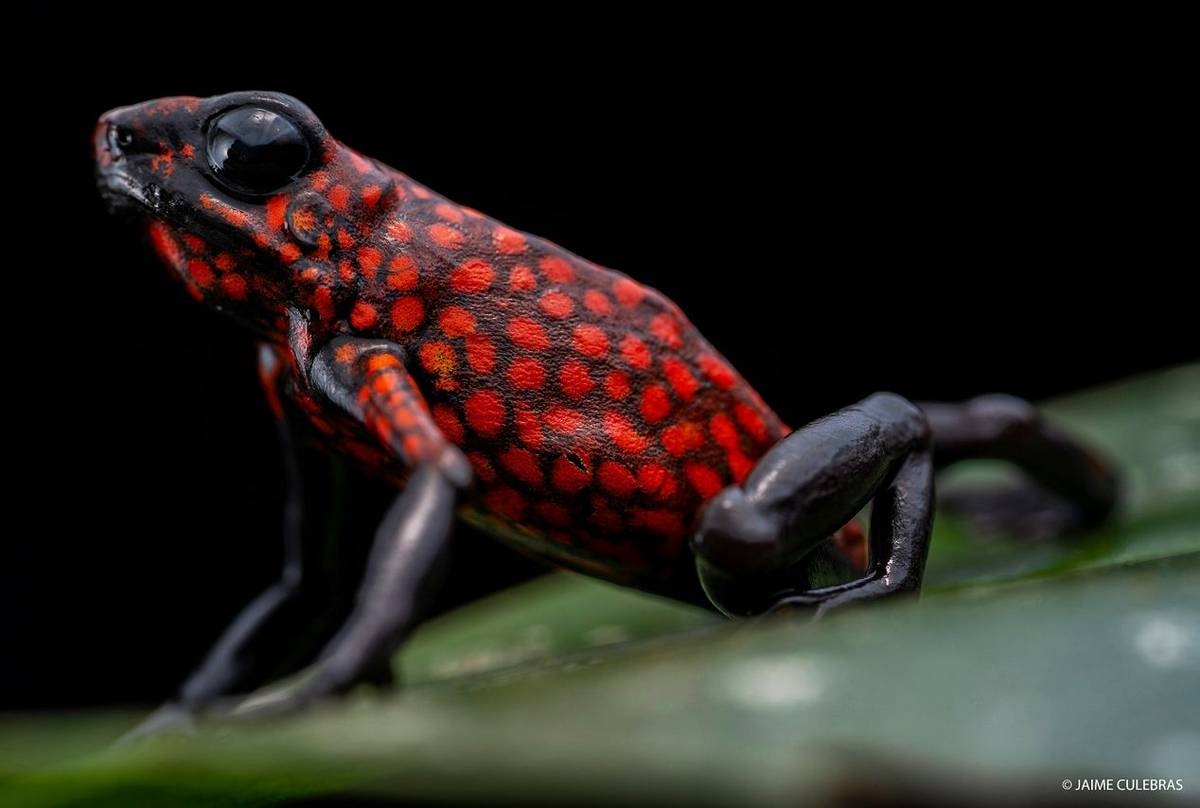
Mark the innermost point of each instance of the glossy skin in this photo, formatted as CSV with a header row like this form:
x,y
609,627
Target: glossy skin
x,y
562,406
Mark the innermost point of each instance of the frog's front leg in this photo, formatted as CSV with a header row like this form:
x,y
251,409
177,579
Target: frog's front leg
x,y
754,538
367,379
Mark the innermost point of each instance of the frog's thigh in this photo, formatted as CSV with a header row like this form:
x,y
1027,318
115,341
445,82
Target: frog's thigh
x,y
753,537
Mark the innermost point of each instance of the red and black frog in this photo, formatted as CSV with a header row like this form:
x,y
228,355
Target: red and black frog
x,y
562,406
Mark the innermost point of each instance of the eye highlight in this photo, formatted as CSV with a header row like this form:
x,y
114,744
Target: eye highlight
x,y
256,150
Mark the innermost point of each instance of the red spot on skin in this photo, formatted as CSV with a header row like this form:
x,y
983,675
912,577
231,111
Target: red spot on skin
x,y
457,322
374,364
438,358
706,481
448,423
289,253
400,231
574,379
363,316
656,481
623,435
681,378
407,313
666,523
751,421
345,271
597,302
201,273
369,260
194,243
590,341
188,151
485,412
482,466
224,262
323,302
562,419
234,286
235,217
508,242
521,279
568,477
606,519
556,269
420,192
320,181
472,276
556,304
345,240
276,208
529,431
656,404
665,328
481,353
635,352
448,212
616,384
522,465
339,198
554,514
506,503
724,432
370,195
445,235
528,334
628,293
402,273
616,479
717,371
739,465
683,437
526,373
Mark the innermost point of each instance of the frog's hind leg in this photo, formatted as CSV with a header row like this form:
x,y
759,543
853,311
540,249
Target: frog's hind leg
x,y
755,539
1067,486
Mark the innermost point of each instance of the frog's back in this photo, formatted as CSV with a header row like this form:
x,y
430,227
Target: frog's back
x,y
595,415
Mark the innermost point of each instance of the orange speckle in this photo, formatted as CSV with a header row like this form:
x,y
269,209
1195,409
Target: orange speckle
x,y
628,292
201,273
363,315
623,435
616,384
507,241
402,273
529,431
574,379
339,198
616,479
706,481
407,313
656,404
437,358
562,419
681,378
486,412
399,230
717,371
666,329
482,466
568,477
188,151
528,334
276,207
369,260
557,305
345,353
522,465
193,242
472,276
751,421
526,373
448,423
556,269
655,480
377,362
507,503
234,286
323,302
289,253
723,431
682,437
370,195
636,353
448,212
597,302
521,279
445,235
457,322
224,262
319,181
590,341
481,353
739,465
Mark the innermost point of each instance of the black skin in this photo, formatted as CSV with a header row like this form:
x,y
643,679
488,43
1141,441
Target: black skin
x,y
756,548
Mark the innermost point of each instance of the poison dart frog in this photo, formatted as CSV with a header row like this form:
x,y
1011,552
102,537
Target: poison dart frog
x,y
562,406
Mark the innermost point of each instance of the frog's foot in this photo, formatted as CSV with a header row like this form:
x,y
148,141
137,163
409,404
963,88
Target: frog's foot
x,y
169,719
759,542
1069,487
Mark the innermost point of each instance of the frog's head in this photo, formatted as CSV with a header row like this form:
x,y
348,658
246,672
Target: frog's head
x,y
248,199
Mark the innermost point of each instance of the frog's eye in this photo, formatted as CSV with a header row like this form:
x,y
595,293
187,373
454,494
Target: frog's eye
x,y
256,150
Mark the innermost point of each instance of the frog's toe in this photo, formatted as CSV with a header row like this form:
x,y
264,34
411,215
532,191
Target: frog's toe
x,y
1024,510
168,720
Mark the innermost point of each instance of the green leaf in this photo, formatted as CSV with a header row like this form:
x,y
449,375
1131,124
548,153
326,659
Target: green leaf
x,y
1023,665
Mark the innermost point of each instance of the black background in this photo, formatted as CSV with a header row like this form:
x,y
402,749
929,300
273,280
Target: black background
x,y
937,226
